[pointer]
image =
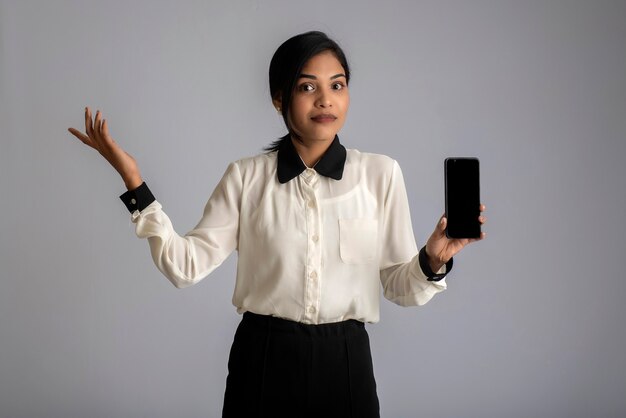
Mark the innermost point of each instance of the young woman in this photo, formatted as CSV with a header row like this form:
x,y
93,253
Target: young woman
x,y
317,227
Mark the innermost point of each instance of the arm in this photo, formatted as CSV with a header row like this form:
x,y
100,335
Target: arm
x,y
405,274
183,260
414,282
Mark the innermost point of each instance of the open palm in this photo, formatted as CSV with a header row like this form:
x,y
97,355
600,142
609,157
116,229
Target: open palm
x,y
97,137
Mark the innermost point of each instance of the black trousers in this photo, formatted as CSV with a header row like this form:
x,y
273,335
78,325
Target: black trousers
x,y
280,368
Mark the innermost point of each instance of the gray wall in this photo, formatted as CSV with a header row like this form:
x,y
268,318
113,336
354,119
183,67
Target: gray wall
x,y
532,324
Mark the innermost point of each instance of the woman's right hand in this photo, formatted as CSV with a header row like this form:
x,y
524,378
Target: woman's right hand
x,y
97,137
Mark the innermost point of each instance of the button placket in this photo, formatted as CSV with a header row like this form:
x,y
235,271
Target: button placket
x,y
312,270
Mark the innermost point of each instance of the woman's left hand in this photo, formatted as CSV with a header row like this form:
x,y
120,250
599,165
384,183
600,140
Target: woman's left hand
x,y
440,249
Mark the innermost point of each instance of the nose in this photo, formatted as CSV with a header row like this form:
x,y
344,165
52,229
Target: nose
x,y
323,99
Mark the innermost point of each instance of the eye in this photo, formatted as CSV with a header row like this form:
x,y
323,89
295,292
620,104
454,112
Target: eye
x,y
306,87
338,86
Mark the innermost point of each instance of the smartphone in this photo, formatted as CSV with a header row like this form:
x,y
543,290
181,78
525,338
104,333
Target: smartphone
x,y
462,184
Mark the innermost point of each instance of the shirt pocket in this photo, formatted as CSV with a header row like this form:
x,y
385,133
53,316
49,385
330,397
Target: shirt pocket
x,y
358,240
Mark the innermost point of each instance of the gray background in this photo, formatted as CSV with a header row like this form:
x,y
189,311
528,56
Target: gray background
x,y
532,324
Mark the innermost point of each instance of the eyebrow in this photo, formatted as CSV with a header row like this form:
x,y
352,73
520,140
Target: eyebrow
x,y
312,77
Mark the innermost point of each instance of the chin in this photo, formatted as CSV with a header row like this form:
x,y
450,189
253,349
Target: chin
x,y
323,134
318,135
323,138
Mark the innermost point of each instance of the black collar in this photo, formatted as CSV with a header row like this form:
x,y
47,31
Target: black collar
x,y
290,164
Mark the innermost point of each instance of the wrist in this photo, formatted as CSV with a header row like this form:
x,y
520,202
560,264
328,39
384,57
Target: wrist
x,y
133,181
435,264
435,267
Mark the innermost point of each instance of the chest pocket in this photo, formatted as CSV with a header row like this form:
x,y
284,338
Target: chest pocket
x,y
358,240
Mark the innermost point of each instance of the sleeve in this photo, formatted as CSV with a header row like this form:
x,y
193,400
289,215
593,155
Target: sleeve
x,y
425,265
404,279
185,260
138,199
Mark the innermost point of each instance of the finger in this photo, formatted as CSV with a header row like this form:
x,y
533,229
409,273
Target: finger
x,y
97,122
88,124
482,219
482,208
84,138
104,132
97,136
440,229
443,223
108,144
103,128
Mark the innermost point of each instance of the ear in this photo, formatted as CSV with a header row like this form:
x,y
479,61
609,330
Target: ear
x,y
278,101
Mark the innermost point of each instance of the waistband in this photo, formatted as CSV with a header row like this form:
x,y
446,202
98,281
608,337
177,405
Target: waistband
x,y
348,327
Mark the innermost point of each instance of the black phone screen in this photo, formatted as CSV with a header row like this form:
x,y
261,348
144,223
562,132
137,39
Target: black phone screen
x,y
462,186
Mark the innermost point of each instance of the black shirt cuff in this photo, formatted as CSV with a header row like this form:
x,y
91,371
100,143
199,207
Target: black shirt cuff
x,y
138,199
425,265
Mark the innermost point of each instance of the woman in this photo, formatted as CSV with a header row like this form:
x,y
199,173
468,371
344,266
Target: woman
x,y
317,227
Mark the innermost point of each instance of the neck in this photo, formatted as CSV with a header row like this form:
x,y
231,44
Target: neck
x,y
311,151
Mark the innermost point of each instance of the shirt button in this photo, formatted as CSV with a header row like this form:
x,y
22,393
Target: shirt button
x,y
311,204
313,274
311,309
133,201
315,238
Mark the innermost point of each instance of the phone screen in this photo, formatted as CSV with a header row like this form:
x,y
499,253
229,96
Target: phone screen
x,y
462,197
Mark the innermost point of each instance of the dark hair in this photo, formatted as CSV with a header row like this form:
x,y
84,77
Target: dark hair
x,y
287,64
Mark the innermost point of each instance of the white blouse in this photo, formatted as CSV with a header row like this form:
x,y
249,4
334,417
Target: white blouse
x,y
312,248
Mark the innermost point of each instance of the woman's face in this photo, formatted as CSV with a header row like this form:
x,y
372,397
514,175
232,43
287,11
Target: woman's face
x,y
320,101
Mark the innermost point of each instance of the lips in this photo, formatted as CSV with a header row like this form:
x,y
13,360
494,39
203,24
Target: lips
x,y
324,118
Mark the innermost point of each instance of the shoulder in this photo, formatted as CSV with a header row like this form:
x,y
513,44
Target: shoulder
x,y
380,173
255,166
371,163
256,160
